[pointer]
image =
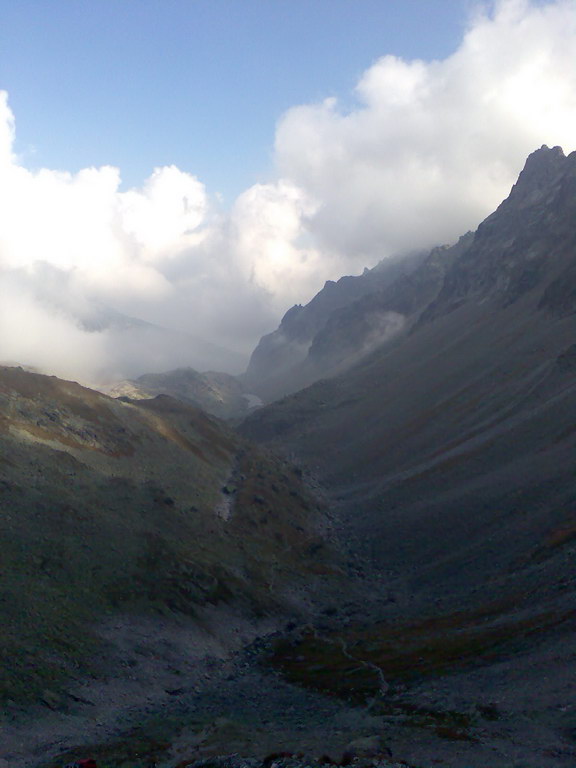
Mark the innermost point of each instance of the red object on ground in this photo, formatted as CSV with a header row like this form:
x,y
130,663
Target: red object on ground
x,y
83,764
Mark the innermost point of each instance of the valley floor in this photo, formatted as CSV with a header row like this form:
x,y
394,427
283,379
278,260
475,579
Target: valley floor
x,y
174,691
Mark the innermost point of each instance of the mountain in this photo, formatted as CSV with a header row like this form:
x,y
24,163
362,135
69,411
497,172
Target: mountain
x,y
219,394
525,245
128,345
346,320
474,403
380,316
171,592
142,514
286,360
449,457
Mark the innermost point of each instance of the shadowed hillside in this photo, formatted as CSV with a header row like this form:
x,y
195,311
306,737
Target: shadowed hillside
x,y
450,456
216,393
342,323
451,449
110,507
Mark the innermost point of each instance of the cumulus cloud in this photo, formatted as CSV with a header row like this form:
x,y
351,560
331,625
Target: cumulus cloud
x,y
78,257
430,148
422,154
44,336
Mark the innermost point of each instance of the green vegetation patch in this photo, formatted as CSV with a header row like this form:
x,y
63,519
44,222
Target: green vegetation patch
x,y
86,533
351,663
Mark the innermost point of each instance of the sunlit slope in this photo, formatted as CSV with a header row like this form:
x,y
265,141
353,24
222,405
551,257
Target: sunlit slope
x,y
109,506
219,394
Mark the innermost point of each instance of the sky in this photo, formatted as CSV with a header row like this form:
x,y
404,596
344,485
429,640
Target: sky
x,y
196,83
202,165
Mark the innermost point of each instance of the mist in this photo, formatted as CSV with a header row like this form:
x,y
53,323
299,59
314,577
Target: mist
x,y
98,284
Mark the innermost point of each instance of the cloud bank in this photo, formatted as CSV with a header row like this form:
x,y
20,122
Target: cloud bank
x,y
424,151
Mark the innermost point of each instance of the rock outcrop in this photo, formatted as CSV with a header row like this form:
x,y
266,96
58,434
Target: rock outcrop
x,y
293,356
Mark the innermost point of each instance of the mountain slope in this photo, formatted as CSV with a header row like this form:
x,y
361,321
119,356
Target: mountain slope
x,y
284,360
449,455
216,393
111,508
507,257
381,316
474,405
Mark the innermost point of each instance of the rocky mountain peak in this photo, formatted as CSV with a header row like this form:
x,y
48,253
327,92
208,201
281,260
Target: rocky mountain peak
x,y
290,315
273,366
542,168
525,245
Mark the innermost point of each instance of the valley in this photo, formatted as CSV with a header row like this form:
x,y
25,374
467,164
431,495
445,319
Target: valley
x,y
383,553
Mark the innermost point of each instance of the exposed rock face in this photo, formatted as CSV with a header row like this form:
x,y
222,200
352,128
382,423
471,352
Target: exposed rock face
x,y
519,267
527,244
516,249
369,322
296,354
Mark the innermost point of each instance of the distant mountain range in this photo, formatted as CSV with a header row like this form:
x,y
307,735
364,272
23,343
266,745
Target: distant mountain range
x,y
217,393
133,346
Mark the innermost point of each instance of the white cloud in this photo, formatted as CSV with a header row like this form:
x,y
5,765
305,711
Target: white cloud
x,y
166,213
432,147
425,152
44,336
267,224
6,132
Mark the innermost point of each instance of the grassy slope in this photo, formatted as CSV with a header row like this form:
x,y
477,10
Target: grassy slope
x,y
217,393
108,506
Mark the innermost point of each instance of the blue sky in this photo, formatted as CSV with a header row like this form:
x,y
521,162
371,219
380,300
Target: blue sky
x,y
198,83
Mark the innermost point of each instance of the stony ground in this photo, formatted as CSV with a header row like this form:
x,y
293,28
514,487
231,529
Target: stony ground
x,y
183,696
456,681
